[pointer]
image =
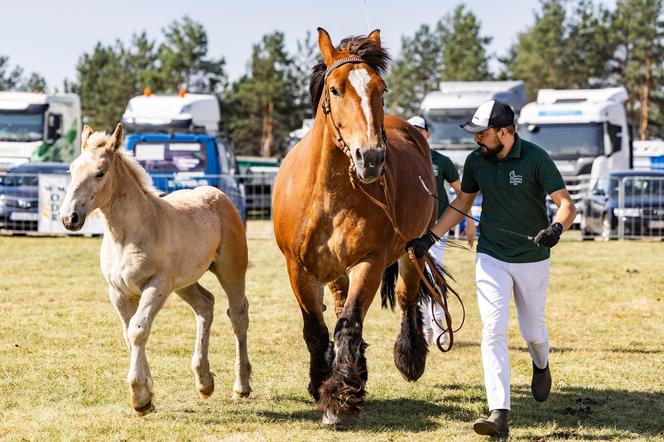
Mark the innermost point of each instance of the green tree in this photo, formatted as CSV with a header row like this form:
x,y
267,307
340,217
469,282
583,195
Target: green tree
x,y
638,34
34,83
263,103
464,50
306,57
184,61
414,73
9,78
105,85
539,55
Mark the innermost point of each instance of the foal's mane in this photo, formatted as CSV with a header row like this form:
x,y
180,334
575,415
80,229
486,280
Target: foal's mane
x,y
99,140
370,51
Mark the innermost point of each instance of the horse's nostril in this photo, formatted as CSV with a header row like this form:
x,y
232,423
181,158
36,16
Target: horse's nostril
x,y
73,219
358,155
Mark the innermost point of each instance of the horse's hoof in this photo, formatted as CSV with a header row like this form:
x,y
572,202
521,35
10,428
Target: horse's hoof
x,y
241,394
145,409
337,422
205,391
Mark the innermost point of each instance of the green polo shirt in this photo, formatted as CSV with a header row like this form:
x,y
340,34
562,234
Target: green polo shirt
x,y
444,169
513,198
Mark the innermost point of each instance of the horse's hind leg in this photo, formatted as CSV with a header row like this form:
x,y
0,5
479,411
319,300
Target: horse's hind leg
x,y
231,276
201,302
410,348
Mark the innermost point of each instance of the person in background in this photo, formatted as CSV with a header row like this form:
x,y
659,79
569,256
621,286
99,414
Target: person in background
x,y
444,170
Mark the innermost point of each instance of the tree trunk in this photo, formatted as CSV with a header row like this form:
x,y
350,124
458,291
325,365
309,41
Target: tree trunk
x,y
266,136
645,95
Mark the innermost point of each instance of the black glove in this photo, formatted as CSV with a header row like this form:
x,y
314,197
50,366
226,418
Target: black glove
x,y
550,236
422,244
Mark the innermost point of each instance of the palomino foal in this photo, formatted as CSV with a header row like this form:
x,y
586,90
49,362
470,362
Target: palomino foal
x,y
153,246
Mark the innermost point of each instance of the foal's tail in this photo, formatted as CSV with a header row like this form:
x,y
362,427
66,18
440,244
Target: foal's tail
x,y
387,285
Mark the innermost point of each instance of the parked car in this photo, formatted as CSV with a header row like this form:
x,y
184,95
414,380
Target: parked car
x,y
19,194
642,211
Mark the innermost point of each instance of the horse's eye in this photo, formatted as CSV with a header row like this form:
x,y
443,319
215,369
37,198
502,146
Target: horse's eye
x,y
334,91
100,174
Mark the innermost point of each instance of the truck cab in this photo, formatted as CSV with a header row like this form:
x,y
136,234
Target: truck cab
x,y
36,127
176,139
455,103
584,131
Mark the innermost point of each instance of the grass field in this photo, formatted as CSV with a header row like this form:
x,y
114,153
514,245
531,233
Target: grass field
x,y
64,363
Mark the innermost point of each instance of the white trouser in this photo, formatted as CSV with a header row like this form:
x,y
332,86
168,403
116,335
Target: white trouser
x,y
495,281
438,252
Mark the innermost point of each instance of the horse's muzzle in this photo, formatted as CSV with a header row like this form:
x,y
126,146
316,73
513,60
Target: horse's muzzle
x,y
72,221
369,163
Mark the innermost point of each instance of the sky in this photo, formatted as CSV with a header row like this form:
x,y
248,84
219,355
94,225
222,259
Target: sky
x,y
49,37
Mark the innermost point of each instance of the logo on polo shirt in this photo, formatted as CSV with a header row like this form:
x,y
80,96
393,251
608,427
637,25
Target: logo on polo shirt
x,y
515,179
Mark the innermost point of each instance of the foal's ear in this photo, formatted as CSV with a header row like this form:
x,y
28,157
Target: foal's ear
x,y
87,131
326,47
375,36
116,139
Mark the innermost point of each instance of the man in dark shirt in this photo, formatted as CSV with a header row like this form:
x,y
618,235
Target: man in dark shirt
x,y
514,177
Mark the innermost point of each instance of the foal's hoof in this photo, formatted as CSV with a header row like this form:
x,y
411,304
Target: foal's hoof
x,y
337,422
145,409
205,391
241,394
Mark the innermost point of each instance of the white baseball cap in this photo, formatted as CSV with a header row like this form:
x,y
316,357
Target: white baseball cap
x,y
419,122
490,114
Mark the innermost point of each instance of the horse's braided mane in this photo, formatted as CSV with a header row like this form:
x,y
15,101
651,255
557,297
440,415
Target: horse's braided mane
x,y
370,51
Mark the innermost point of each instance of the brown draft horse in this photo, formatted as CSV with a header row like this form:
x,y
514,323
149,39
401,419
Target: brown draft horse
x,y
332,233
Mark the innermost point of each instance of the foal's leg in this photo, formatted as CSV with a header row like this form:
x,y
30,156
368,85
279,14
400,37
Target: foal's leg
x,y
410,348
231,279
140,380
125,306
202,303
342,394
308,293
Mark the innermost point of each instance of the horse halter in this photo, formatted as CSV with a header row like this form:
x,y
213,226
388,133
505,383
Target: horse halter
x,y
338,138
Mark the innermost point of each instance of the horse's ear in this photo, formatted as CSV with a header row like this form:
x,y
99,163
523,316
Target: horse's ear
x,y
87,131
375,36
326,47
116,139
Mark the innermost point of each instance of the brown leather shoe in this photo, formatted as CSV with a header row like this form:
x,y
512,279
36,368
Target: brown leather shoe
x,y
495,425
541,383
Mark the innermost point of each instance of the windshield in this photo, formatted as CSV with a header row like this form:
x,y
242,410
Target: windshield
x,y
635,186
446,133
21,127
566,141
171,157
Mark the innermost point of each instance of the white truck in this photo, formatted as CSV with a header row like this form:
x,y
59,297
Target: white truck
x,y
38,127
455,103
585,131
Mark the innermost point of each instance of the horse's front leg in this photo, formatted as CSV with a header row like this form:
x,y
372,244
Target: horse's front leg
x,y
410,348
139,378
342,394
125,306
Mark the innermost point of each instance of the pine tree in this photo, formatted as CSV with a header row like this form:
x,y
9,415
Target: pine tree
x,y
538,58
10,79
414,73
638,34
34,83
464,50
262,104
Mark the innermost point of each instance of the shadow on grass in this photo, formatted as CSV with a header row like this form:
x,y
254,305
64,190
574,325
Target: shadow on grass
x,y
574,412
574,409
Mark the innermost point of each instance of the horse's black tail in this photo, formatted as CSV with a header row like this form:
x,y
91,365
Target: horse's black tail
x,y
387,286
445,289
